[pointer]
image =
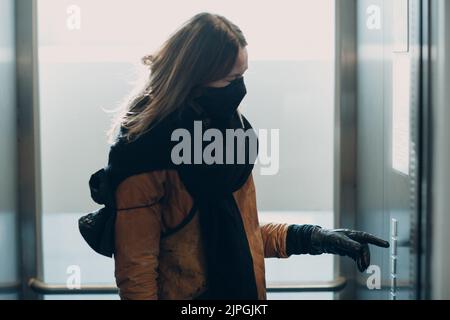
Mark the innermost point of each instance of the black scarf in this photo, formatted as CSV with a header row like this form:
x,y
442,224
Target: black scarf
x,y
230,273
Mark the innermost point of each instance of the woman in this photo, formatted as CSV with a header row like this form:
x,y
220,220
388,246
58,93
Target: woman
x,y
191,231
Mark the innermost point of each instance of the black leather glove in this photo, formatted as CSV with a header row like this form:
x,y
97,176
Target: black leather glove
x,y
314,240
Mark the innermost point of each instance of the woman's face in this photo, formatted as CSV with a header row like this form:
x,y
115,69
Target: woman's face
x,y
238,71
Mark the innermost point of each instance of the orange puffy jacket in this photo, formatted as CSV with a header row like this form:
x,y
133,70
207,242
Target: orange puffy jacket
x,y
159,252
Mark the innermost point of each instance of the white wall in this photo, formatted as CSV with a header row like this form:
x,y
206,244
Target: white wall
x,y
290,84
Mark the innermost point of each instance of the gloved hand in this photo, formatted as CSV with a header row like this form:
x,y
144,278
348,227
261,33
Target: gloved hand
x,y
344,242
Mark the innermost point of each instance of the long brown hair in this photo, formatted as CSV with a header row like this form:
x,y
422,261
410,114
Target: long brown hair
x,y
203,50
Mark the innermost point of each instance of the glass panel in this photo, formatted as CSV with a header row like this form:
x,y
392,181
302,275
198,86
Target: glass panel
x,y
8,210
89,54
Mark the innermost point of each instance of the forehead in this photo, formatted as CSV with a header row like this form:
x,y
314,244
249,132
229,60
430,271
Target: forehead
x,y
241,62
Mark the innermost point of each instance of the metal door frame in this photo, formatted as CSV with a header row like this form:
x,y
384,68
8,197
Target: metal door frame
x,y
345,133
438,198
29,175
423,278
30,190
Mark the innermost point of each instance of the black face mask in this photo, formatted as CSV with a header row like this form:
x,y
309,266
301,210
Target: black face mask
x,y
222,103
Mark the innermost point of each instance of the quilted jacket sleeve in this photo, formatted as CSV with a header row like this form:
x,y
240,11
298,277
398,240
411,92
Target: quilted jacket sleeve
x,y
274,239
138,233
273,235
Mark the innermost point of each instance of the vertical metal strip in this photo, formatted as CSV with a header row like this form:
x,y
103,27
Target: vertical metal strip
x,y
394,258
440,114
345,132
415,145
424,174
29,178
9,268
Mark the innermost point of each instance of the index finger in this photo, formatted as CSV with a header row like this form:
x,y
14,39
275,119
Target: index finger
x,y
370,238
